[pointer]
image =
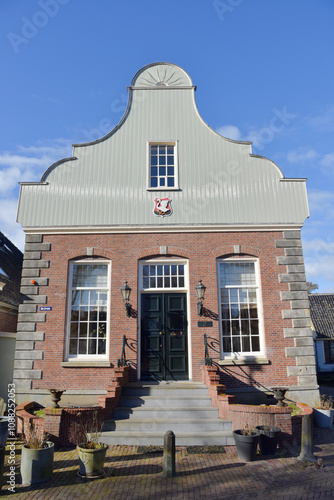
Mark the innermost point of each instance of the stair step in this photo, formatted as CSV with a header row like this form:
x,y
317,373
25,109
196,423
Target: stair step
x,y
166,424
157,438
165,412
166,401
182,389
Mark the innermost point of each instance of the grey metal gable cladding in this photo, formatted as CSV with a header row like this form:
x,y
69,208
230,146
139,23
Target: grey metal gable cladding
x,y
105,183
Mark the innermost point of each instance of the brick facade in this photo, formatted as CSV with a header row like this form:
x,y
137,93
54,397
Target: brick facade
x,y
41,336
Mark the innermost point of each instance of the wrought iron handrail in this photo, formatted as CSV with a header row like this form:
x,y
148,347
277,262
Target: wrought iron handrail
x,y
207,359
122,361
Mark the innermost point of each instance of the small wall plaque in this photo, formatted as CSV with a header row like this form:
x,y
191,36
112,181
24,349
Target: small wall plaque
x,y
45,308
206,324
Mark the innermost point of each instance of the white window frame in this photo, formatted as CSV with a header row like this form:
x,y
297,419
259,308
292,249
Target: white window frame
x,y
86,357
164,262
176,166
242,355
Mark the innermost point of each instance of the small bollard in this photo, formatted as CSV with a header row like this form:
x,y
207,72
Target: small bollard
x,y
306,452
169,454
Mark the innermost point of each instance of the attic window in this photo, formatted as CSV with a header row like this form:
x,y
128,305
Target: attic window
x,y
162,166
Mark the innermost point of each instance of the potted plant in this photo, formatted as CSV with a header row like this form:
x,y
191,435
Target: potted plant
x,y
91,452
268,439
246,441
36,458
323,411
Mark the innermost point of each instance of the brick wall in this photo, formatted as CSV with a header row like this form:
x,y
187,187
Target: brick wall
x,y
42,336
8,322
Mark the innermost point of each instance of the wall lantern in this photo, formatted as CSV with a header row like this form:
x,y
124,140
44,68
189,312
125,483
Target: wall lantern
x,y
126,290
200,291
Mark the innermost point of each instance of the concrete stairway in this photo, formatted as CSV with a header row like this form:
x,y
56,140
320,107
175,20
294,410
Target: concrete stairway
x,y
148,410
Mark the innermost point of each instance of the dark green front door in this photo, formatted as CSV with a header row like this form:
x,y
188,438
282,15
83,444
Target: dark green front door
x,y
164,348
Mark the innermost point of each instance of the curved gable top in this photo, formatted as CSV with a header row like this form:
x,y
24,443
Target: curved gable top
x,y
159,75
106,183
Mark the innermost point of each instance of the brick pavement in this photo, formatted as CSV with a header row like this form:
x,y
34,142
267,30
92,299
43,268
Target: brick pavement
x,y
138,475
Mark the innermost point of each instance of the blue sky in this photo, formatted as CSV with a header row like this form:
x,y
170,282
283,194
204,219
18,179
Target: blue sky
x,y
263,69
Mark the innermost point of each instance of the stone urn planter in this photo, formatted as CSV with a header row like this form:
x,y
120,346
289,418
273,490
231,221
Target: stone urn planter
x,y
37,463
268,439
3,431
91,460
246,442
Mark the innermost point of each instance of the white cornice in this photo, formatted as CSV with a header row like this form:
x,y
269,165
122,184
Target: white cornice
x,y
223,228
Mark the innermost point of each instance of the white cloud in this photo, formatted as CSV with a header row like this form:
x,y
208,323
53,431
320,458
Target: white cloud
x,y
230,132
301,155
327,160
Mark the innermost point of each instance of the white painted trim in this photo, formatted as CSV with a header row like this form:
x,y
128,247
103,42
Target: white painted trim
x,y
185,290
85,357
258,286
205,228
174,143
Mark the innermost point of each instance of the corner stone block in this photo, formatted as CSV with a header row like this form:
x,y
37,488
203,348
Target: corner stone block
x,y
31,273
37,247
28,264
32,318
27,308
306,360
26,327
29,355
297,332
301,323
297,295
300,304
299,351
27,374
32,255
35,336
293,260
287,278
37,299
295,313
298,287
307,380
34,238
300,370
304,341
300,268
23,364
288,243
293,251
23,385
292,234
39,281
29,290
24,345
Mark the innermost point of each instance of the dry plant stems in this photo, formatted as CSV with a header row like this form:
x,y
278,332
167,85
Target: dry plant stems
x,y
91,432
248,431
324,403
34,440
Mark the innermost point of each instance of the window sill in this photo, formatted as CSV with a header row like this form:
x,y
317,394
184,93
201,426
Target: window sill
x,y
86,364
244,361
163,189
